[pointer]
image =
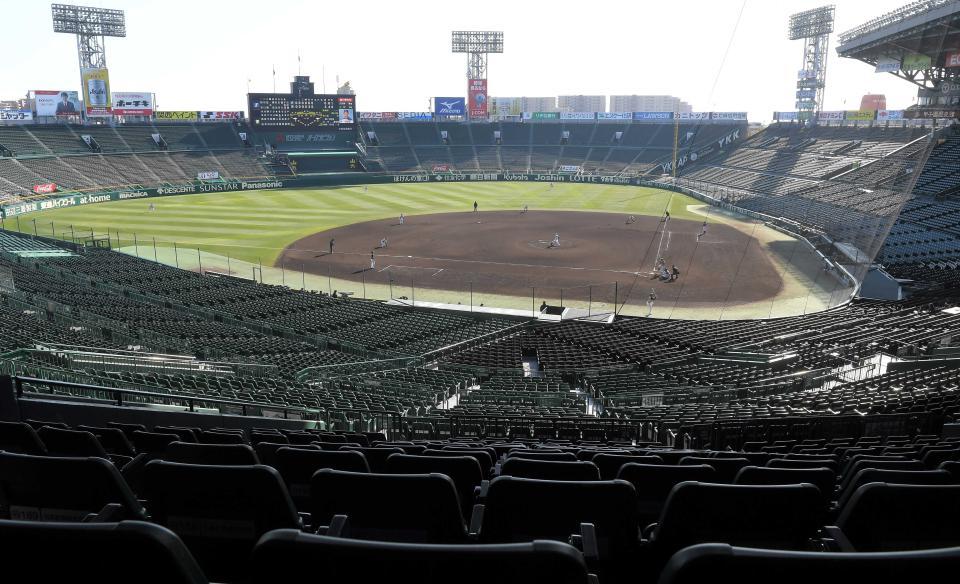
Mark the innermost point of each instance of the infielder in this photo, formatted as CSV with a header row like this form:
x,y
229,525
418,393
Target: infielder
x,y
401,218
703,230
556,240
373,262
650,300
383,242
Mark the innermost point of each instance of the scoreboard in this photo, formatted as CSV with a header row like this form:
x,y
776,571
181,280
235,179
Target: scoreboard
x,y
286,111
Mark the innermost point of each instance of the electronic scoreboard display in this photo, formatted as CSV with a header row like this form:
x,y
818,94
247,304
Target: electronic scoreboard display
x,y
280,110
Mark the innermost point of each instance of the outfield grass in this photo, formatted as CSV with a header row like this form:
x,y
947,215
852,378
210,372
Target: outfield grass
x,y
255,226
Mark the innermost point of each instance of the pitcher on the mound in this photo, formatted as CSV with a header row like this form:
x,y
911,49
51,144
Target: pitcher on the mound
x,y
556,240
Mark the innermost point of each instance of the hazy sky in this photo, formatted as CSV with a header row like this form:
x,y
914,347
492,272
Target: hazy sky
x,y
199,55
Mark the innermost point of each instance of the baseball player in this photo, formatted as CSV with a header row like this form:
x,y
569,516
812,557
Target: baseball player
x,y
524,208
333,241
666,216
373,261
631,219
383,242
475,207
703,230
401,218
674,273
556,240
651,298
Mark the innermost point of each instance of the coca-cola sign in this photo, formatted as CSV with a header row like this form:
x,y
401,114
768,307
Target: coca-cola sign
x,y
45,188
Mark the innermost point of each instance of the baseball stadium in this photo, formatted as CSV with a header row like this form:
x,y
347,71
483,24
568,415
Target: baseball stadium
x,y
485,342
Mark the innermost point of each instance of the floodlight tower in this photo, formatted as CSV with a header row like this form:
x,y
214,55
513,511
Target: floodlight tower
x,y
478,45
90,25
814,27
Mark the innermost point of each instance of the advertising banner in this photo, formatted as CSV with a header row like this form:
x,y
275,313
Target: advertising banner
x,y
577,115
96,92
830,116
887,65
653,115
45,188
477,94
57,103
220,115
785,116
738,116
441,168
859,115
449,106
915,62
541,115
209,175
931,114
506,106
806,93
132,103
614,115
370,115
692,115
889,115
183,116
16,115
569,168
415,116
952,59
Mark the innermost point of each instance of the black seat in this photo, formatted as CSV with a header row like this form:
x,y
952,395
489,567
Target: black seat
x,y
727,468
219,511
113,440
609,464
803,463
524,510
900,477
891,517
822,478
49,488
653,483
106,553
60,442
267,451
550,470
543,455
297,466
852,469
717,562
376,457
219,437
189,453
464,471
420,508
767,516
155,442
483,456
287,556
21,438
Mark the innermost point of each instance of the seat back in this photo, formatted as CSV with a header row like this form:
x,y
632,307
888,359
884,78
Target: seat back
x,y
768,516
483,456
155,442
550,470
267,451
704,562
653,483
106,553
219,511
609,464
290,556
376,457
464,471
803,463
21,438
420,508
48,488
189,453
901,477
891,517
822,478
727,468
60,442
297,466
554,455
113,440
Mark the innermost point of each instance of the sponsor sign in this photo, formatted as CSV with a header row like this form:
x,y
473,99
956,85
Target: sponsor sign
x,y
887,65
176,115
449,106
441,168
541,115
952,59
16,115
830,116
692,116
614,115
578,116
57,103
96,92
132,103
915,62
653,115
887,115
949,88
806,93
932,113
45,188
477,94
505,106
220,115
415,116
738,116
785,116
370,115
806,74
569,168
209,175
305,138
859,115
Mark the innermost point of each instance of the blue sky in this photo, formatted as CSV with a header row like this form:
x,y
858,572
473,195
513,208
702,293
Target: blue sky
x,y
200,55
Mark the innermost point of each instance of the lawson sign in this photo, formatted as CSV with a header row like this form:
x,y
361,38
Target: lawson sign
x,y
449,106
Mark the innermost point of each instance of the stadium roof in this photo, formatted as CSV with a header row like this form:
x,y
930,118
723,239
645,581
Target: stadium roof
x,y
926,27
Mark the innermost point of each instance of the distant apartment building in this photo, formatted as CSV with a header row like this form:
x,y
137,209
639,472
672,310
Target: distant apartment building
x,y
648,103
582,103
514,106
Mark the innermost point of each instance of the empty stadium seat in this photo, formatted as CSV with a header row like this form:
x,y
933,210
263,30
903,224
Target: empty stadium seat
x,y
189,453
551,470
653,483
609,464
20,438
106,553
464,471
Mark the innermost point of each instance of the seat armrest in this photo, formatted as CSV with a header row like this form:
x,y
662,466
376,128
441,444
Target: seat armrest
x,y
476,519
339,526
586,542
481,491
837,540
647,532
592,579
111,513
306,521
